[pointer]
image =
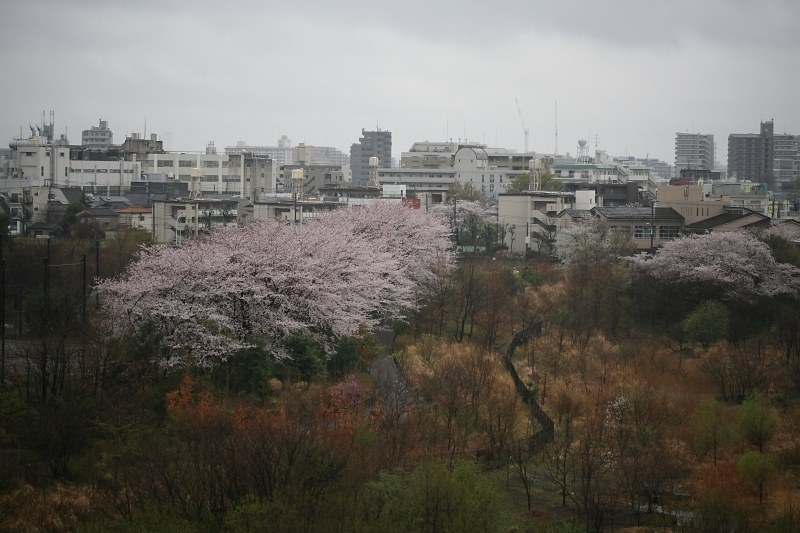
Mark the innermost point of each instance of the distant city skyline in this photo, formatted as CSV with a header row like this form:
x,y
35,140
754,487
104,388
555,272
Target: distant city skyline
x,y
632,73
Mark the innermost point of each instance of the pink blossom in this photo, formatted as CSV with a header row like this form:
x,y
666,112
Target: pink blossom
x,y
737,263
269,281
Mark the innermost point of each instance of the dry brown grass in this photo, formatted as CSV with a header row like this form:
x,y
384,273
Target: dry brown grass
x,y
60,507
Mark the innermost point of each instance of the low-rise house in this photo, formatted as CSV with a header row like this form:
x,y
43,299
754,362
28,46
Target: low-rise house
x,y
134,217
649,227
96,221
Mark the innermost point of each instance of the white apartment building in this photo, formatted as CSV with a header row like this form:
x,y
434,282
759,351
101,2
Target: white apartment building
x,y
281,154
36,162
474,165
236,174
98,137
427,154
693,151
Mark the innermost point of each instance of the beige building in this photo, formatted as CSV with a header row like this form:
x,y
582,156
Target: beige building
x,y
530,218
700,202
689,201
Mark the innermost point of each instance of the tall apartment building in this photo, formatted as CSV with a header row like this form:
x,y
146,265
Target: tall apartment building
x,y
693,151
786,161
751,155
97,137
371,144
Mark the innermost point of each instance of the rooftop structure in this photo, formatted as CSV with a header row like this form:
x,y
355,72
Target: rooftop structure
x,y
97,137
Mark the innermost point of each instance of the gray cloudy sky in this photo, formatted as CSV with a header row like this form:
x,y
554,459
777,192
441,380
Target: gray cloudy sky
x,y
632,72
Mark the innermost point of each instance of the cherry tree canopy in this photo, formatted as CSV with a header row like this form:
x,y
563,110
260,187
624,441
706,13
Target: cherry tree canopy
x,y
467,213
267,280
736,263
590,241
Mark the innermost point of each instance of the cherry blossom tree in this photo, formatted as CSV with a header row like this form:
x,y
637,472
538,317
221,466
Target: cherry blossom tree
x,y
469,218
415,238
735,264
591,241
269,281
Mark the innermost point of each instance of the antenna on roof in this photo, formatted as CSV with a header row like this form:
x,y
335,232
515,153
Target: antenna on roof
x,y
556,146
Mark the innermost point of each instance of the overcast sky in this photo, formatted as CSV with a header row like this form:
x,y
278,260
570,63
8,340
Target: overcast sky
x,y
631,72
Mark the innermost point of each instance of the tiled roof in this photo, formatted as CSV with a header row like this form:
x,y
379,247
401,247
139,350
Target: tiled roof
x,y
721,220
638,213
135,210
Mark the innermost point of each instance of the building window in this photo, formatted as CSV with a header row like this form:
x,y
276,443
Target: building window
x,y
642,232
668,232
165,163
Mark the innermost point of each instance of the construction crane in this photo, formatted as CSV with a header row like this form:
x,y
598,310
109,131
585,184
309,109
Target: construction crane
x,y
522,120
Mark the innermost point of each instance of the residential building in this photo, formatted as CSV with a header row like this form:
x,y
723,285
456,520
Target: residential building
x,y
786,162
135,217
175,220
698,175
750,155
659,170
288,209
281,154
429,184
97,137
607,194
694,151
256,175
95,222
689,201
348,195
599,169
376,143
315,177
530,217
427,154
242,174
303,154
475,166
753,196
696,203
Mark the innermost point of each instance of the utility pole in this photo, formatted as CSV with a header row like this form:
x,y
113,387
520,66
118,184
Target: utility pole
x,y
2,316
83,265
527,237
45,319
652,223
455,222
